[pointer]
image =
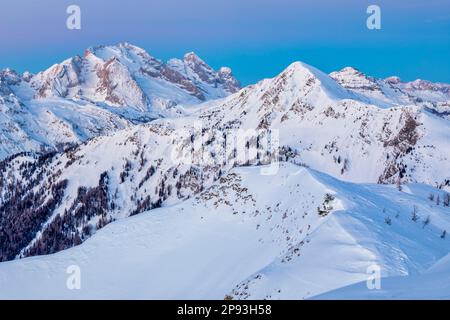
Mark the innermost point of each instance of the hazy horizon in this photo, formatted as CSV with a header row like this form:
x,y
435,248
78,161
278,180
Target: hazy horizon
x,y
257,39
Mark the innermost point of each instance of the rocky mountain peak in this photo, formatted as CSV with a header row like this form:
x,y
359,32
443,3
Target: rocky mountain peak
x,y
10,76
393,80
192,57
312,81
351,75
131,67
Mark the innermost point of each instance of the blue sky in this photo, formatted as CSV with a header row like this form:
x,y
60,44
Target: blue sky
x,y
257,38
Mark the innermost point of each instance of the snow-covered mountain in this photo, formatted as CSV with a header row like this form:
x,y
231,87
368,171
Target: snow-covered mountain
x,y
392,90
107,89
294,235
350,166
336,131
315,121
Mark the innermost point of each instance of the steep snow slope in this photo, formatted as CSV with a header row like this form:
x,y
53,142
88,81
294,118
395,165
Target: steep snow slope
x,y
374,228
248,236
107,89
433,284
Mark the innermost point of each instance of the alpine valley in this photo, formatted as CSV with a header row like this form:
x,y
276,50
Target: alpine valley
x,y
119,163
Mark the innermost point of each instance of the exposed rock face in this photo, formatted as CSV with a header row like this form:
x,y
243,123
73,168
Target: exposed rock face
x,y
424,85
211,82
200,68
393,80
8,78
401,144
176,77
118,87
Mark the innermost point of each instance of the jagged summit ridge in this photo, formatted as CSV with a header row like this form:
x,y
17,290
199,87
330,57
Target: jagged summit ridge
x,y
138,69
392,90
106,89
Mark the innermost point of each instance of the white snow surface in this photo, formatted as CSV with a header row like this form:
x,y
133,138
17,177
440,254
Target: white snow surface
x,y
251,237
433,284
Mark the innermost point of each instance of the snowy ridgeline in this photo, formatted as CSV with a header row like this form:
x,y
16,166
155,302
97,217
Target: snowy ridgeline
x,y
294,235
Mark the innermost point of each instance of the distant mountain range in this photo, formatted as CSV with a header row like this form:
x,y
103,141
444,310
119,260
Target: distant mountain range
x,y
107,89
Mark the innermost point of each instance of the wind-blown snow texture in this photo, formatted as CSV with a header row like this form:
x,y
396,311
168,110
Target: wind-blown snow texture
x,y
364,178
